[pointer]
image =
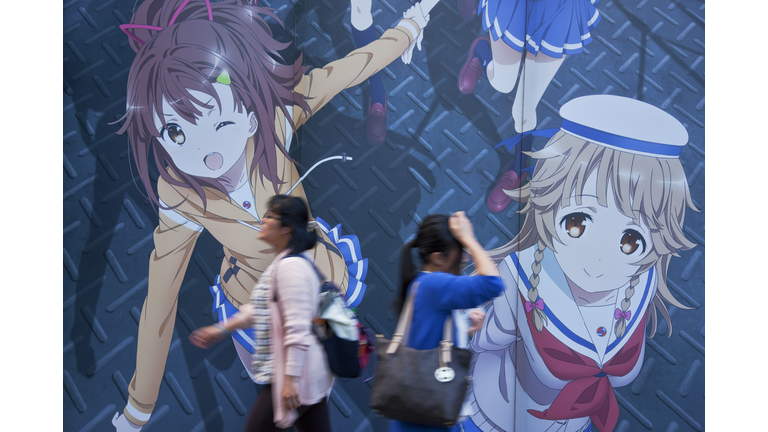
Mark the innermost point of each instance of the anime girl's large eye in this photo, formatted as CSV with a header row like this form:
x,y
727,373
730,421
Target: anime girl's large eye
x,y
631,241
575,223
174,133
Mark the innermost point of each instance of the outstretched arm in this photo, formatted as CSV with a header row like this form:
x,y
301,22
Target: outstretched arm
x,y
419,13
320,85
174,244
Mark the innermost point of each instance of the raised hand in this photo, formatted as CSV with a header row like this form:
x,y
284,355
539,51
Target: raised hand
x,y
421,17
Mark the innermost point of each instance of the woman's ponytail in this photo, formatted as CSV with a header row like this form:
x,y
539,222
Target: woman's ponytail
x,y
407,272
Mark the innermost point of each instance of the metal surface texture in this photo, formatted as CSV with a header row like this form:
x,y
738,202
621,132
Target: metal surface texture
x,y
439,157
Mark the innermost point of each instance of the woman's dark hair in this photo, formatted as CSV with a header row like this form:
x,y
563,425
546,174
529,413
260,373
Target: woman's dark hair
x,y
294,214
434,235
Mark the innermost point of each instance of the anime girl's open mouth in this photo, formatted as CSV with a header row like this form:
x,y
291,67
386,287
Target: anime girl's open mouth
x,y
214,161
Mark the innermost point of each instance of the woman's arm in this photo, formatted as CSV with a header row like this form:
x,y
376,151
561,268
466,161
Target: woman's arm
x,y
206,337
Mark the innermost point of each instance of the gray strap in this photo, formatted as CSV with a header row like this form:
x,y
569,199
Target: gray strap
x,y
403,327
404,323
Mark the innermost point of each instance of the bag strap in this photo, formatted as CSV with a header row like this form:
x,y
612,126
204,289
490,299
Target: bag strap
x,y
404,322
447,343
403,328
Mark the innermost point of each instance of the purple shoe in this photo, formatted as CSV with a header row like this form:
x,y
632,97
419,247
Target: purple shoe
x,y
468,8
497,199
472,70
377,122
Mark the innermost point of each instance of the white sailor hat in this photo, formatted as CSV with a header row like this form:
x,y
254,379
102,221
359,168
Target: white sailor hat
x,y
624,124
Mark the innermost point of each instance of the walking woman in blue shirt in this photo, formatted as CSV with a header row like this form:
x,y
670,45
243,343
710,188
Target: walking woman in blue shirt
x,y
441,242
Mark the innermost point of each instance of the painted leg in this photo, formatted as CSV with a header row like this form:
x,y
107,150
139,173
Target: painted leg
x,y
504,67
363,33
541,69
512,177
502,74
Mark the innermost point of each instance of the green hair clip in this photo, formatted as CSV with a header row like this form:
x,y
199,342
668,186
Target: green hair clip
x,y
224,78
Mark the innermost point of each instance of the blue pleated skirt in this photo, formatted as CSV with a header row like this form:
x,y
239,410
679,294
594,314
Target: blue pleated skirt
x,y
553,27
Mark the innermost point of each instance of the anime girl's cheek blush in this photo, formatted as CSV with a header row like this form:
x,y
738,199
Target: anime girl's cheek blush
x,y
214,161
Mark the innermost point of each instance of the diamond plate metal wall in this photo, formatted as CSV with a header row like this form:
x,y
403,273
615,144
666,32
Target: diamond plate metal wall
x,y
439,157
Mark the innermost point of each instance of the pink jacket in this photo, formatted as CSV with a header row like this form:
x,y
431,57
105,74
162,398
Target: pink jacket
x,y
296,350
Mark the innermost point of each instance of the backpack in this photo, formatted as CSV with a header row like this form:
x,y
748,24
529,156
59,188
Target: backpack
x,y
347,343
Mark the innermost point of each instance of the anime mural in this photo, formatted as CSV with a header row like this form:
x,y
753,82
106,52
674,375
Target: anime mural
x,y
571,132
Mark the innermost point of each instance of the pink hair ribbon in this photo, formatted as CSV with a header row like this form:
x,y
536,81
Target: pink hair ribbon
x,y
178,11
618,314
126,27
539,304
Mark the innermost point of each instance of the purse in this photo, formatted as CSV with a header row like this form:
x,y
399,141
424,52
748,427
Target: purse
x,y
425,387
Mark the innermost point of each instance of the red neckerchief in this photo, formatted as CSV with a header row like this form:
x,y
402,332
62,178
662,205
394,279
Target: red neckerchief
x,y
589,392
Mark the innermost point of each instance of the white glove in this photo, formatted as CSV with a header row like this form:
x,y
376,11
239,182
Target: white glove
x,y
122,424
416,14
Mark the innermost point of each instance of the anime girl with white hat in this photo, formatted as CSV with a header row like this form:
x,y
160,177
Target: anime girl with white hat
x,y
603,218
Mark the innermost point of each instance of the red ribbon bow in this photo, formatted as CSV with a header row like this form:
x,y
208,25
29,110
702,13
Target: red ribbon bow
x,y
589,391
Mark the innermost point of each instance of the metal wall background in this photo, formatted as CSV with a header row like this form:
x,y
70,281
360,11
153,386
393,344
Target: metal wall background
x,y
439,157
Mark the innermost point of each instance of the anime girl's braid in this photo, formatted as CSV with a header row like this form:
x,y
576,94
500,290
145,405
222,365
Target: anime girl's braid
x,y
622,315
538,317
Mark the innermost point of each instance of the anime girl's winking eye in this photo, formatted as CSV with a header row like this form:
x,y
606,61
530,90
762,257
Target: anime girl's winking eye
x,y
212,144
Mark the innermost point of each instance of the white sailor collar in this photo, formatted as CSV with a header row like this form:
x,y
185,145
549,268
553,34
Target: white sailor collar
x,y
564,320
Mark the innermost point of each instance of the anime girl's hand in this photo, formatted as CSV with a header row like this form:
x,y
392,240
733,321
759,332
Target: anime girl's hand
x,y
416,14
122,424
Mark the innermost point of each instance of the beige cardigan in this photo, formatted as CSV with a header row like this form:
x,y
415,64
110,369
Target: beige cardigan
x,y
296,349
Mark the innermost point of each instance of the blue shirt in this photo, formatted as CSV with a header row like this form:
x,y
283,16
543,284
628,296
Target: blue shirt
x,y
438,294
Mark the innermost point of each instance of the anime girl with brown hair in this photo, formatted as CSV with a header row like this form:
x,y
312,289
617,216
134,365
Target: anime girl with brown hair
x,y
213,104
603,218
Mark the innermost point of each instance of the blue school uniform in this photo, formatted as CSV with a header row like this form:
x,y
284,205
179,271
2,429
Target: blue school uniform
x,y
553,27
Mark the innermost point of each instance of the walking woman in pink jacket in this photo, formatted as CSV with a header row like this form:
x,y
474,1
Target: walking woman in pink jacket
x,y
288,360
